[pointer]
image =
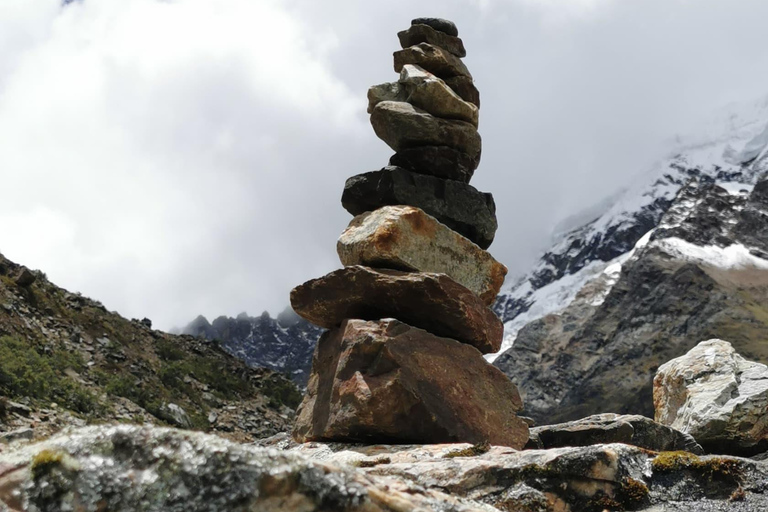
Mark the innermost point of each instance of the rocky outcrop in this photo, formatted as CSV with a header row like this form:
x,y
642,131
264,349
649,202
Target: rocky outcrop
x,y
717,396
388,382
613,428
404,237
459,206
695,279
433,302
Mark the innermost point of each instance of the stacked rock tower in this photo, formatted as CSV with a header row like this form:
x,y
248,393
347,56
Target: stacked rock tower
x,y
409,315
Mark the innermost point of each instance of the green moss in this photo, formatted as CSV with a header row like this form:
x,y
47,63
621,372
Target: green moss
x,y
281,391
472,451
632,493
46,460
713,468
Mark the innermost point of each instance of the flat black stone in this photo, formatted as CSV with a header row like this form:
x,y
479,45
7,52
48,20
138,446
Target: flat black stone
x,y
440,24
458,205
439,161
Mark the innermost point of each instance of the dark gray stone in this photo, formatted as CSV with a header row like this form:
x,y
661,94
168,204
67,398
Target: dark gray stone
x,y
440,24
439,161
422,33
459,206
613,428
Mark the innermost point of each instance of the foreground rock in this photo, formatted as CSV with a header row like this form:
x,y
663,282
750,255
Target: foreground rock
x,y
131,469
403,126
433,302
422,33
404,237
435,60
613,428
611,477
438,161
459,206
386,381
717,396
145,469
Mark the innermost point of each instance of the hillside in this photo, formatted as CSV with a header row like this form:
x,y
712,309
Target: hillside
x,y
66,360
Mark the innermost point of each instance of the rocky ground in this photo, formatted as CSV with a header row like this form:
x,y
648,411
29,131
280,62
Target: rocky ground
x,y
130,468
67,361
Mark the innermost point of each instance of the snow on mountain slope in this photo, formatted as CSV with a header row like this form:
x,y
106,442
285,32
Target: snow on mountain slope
x,y
729,149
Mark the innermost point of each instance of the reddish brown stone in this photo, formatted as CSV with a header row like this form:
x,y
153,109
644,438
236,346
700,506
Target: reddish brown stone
x,y
388,382
433,302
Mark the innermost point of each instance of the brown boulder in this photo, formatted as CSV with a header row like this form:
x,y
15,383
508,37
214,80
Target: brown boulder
x,y
421,33
402,126
385,381
433,302
435,60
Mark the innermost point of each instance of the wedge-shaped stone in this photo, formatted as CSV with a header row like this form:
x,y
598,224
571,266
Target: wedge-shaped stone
x,y
439,161
404,237
431,93
433,302
390,91
435,60
385,381
465,87
403,126
459,206
421,33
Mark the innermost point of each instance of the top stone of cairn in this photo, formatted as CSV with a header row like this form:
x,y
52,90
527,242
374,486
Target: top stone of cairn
x,y
440,24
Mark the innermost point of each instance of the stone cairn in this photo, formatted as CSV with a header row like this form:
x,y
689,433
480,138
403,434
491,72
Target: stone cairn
x,y
409,315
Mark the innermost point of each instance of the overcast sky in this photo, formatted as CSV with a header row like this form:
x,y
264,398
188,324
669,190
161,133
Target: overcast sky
x,y
178,157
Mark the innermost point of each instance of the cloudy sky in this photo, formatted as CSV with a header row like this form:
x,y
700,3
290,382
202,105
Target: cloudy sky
x,y
177,157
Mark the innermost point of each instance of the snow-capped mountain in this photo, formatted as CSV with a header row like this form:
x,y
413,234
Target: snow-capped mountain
x,y
284,344
730,149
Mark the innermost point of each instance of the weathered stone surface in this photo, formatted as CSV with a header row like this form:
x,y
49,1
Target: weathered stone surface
x,y
600,478
439,161
613,428
390,91
438,24
25,277
430,93
433,302
404,237
421,33
459,206
464,87
424,90
435,60
386,381
717,396
403,126
146,469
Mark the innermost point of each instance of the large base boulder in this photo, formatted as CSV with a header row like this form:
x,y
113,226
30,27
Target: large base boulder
x,y
459,206
403,126
386,381
404,237
613,428
438,161
717,396
433,302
